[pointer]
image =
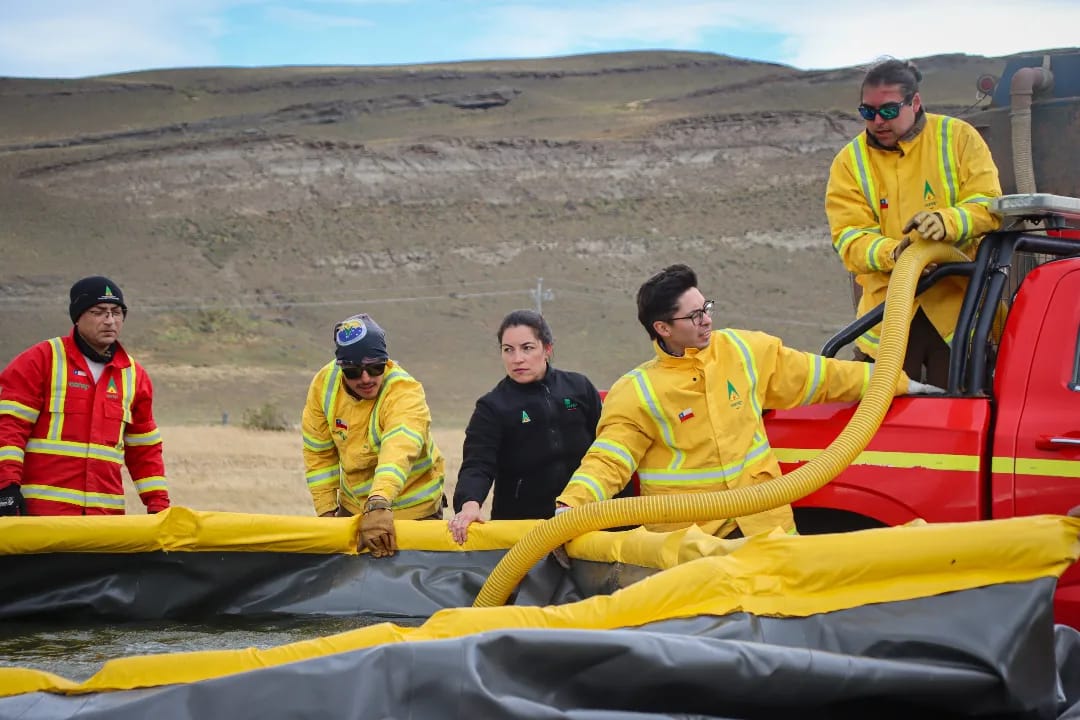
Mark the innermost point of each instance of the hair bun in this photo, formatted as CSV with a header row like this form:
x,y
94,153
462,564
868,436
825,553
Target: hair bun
x,y
915,70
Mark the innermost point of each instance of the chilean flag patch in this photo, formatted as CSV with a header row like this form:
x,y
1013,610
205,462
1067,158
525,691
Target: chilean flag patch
x,y
884,203
686,415
340,424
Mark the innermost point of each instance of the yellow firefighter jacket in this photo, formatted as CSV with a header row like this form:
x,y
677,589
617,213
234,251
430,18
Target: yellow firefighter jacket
x,y
872,192
354,448
693,424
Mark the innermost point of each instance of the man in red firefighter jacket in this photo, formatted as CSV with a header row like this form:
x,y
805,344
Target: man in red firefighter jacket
x,y
72,411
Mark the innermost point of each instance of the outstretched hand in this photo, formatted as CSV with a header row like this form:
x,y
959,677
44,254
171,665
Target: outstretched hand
x,y
459,524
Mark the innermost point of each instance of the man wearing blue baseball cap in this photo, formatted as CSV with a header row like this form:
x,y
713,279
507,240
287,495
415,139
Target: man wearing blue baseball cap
x,y
368,448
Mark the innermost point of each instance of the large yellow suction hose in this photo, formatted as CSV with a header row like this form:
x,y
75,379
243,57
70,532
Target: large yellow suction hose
x,y
801,482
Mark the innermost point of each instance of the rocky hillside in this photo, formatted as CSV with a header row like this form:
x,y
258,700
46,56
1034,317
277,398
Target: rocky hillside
x,y
244,211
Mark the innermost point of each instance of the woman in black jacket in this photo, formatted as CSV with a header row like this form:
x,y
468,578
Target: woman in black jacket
x,y
528,435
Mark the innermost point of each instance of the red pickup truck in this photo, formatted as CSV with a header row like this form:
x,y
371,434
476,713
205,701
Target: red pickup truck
x,y
1005,439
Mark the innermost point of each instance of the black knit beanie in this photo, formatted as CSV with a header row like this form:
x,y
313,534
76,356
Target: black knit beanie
x,y
91,291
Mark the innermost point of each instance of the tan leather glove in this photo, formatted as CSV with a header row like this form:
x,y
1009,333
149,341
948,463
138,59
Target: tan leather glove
x,y
377,528
928,224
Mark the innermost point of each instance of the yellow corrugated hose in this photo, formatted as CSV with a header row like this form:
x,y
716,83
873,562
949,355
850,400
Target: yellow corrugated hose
x,y
783,490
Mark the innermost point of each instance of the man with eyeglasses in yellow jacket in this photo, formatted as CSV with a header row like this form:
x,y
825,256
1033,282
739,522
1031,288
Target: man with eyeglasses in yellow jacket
x,y
368,448
689,420
911,174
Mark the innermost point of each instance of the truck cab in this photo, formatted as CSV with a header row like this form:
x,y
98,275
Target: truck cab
x,y
1004,440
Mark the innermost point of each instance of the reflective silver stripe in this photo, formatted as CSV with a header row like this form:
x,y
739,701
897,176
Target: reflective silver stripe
x,y
150,484
15,409
750,365
859,165
73,497
322,476
419,495
315,445
589,482
615,450
12,453
58,388
813,380
141,439
66,448
648,399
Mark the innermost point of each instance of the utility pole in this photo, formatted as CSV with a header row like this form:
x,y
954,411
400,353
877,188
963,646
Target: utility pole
x,y
540,295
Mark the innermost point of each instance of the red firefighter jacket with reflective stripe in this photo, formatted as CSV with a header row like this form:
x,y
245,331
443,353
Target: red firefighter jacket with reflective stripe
x,y
872,192
354,448
693,423
63,437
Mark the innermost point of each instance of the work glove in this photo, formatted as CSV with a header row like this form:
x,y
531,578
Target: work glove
x,y
11,501
928,224
915,387
377,528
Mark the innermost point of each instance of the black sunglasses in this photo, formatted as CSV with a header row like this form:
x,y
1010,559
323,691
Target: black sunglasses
x,y
888,111
353,372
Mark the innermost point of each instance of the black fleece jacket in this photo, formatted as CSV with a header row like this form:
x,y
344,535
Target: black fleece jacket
x,y
527,439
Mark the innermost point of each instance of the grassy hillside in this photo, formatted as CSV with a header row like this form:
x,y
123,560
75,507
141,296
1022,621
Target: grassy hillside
x,y
244,211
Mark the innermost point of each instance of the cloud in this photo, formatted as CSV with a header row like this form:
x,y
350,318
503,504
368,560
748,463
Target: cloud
x,y
522,30
827,33
312,20
840,34
74,39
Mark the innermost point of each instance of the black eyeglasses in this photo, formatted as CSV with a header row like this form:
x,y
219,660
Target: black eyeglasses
x,y
353,372
887,111
698,316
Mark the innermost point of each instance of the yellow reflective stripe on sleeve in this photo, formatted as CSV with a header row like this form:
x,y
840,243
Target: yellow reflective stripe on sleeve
x,y
393,471
15,409
420,495
360,491
315,445
12,453
867,372
857,152
322,476
872,254
57,388
647,397
614,450
151,483
871,338
891,459
73,497
421,466
141,439
814,375
849,234
66,448
402,430
589,483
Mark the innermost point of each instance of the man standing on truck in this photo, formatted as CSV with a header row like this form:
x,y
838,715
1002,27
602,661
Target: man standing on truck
x,y
689,420
911,174
368,448
73,410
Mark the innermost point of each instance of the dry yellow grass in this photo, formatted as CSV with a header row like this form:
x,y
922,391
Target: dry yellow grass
x,y
238,470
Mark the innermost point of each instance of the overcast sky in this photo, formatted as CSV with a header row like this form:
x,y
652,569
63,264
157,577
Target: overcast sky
x,y
75,38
